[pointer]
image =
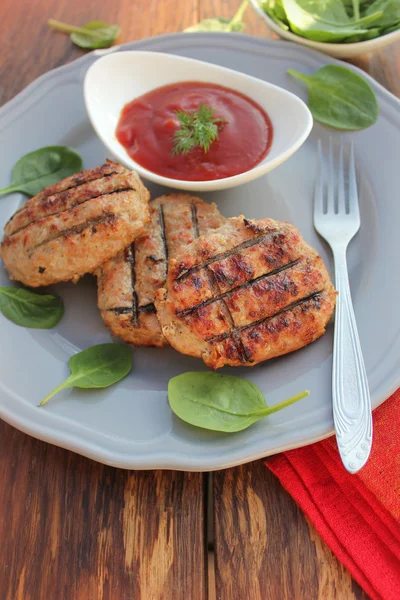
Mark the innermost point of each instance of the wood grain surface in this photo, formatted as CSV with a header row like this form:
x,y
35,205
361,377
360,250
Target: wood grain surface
x,y
265,549
72,529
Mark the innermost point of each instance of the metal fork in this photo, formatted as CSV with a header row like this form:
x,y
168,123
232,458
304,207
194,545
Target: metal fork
x,y
337,220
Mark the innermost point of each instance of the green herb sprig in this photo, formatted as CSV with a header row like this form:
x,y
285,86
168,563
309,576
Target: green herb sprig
x,y
41,168
220,402
198,128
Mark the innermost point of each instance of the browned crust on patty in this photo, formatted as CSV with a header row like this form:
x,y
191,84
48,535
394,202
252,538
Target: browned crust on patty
x,y
248,292
127,283
72,227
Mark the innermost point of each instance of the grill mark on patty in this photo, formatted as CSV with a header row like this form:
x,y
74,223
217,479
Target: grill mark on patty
x,y
188,311
292,306
163,237
77,183
110,218
60,212
148,308
126,310
241,350
130,257
120,310
223,255
195,222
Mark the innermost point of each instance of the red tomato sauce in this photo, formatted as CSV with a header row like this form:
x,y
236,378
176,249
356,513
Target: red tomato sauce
x,y
147,125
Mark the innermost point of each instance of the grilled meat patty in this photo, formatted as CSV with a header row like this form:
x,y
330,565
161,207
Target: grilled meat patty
x,y
127,283
247,292
72,227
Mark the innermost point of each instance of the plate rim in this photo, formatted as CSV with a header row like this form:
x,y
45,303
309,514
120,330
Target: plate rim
x,y
173,461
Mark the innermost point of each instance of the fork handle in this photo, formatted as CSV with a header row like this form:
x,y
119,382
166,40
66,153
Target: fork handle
x,y
350,393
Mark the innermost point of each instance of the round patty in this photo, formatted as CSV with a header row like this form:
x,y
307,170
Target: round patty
x,y
72,227
127,283
250,291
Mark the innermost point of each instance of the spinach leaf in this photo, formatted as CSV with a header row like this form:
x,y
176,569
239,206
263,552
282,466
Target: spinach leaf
x,y
326,11
394,27
220,402
222,24
335,21
275,10
340,98
356,9
96,367
30,309
215,24
325,20
390,12
46,166
370,34
95,34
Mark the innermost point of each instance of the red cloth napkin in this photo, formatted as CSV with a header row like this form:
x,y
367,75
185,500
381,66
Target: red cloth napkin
x,y
358,516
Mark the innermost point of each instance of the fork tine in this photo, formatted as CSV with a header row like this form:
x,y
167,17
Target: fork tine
x,y
353,196
319,183
330,207
341,198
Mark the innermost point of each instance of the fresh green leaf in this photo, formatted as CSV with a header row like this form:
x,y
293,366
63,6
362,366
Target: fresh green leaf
x,y
394,27
197,129
350,5
213,24
96,367
340,98
335,21
221,24
325,20
107,34
30,309
356,9
220,402
330,12
275,10
46,166
390,10
369,35
96,34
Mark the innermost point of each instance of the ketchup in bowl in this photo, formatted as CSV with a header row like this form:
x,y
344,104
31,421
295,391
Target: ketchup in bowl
x,y
147,126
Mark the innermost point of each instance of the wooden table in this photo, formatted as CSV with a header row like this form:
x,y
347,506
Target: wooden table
x,y
72,529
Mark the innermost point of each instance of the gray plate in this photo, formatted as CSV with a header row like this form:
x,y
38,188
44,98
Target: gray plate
x,y
130,425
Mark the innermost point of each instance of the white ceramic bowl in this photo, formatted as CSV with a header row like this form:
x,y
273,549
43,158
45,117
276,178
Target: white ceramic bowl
x,y
335,50
118,78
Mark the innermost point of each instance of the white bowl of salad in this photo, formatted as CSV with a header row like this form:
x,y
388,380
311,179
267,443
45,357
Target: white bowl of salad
x,y
340,28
